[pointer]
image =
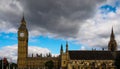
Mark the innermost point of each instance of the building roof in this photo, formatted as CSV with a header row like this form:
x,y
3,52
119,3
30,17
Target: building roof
x,y
91,55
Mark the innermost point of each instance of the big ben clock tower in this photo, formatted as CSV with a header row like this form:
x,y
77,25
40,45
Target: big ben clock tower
x,y
22,45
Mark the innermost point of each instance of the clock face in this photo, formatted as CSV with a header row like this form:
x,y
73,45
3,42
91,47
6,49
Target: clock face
x,y
21,34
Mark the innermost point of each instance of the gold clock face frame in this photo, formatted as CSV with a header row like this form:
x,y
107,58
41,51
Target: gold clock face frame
x,y
22,34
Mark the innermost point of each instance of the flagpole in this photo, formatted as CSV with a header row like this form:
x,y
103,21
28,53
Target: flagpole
x,y
10,62
9,65
2,64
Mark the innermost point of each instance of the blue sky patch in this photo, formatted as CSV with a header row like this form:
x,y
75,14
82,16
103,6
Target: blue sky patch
x,y
9,39
117,3
107,8
52,44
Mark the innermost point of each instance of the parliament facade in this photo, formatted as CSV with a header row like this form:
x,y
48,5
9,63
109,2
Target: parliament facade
x,y
70,59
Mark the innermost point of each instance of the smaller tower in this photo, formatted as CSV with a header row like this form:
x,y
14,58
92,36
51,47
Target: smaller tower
x,y
64,58
61,50
66,47
67,53
112,45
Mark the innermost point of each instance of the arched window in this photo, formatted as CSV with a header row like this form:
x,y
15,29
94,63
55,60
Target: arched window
x,y
78,67
73,67
92,65
103,66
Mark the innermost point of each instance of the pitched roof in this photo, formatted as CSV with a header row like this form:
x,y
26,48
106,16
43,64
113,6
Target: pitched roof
x,y
91,55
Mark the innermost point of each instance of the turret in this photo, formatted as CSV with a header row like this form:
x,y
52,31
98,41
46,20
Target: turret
x,y
66,47
112,37
61,49
112,45
23,22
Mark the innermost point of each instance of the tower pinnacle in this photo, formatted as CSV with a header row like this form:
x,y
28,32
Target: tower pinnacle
x,y
66,46
112,35
23,20
61,48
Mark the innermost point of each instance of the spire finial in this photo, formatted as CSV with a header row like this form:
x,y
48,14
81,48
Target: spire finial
x,y
61,47
112,33
112,29
66,46
66,43
23,20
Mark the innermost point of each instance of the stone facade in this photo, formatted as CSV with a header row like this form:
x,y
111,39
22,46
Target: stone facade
x,y
39,63
94,59
86,64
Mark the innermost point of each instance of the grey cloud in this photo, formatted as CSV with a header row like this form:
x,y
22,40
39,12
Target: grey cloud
x,y
62,18
58,16
10,11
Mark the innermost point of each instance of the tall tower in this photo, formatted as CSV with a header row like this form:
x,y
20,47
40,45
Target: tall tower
x,y
112,45
22,45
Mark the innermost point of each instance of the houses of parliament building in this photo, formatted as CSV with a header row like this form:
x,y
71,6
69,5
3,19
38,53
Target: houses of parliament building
x,y
69,59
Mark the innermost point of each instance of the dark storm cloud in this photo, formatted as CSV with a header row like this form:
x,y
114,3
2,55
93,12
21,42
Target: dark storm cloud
x,y
59,17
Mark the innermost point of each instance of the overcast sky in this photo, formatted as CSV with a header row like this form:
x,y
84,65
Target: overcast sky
x,y
85,24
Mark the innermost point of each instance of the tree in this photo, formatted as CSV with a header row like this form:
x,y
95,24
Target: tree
x,y
5,61
49,64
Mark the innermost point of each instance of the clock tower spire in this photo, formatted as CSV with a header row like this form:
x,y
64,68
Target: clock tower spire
x,y
23,21
22,44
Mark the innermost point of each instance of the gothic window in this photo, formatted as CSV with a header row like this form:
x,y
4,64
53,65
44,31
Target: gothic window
x,y
63,62
73,67
75,62
92,65
103,66
78,67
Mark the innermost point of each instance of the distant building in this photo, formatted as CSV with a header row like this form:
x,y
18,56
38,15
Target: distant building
x,y
70,59
95,59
